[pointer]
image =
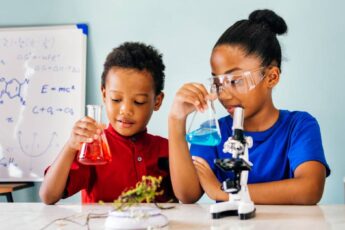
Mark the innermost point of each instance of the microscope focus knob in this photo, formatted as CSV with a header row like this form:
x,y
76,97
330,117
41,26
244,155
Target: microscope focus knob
x,y
249,141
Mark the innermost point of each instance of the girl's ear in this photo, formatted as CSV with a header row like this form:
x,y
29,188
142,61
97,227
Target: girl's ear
x,y
272,76
158,101
103,94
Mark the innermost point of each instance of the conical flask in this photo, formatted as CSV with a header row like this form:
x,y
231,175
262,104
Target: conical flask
x,y
96,152
208,132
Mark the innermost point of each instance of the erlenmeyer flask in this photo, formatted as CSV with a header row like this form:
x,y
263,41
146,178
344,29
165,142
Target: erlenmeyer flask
x,y
208,132
96,152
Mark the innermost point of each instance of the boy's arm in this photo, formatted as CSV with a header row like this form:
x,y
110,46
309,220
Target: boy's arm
x,y
53,186
54,183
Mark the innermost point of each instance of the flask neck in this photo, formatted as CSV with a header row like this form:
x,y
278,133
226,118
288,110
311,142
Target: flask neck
x,y
95,112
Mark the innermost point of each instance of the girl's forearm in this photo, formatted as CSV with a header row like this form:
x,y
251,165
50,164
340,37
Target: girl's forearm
x,y
183,174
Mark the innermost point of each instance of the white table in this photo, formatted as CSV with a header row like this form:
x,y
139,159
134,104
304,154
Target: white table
x,y
15,216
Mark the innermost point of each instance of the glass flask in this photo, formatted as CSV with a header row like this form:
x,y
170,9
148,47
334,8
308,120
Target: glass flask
x,y
96,152
208,132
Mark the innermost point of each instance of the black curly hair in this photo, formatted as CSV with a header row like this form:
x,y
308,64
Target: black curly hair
x,y
139,56
257,35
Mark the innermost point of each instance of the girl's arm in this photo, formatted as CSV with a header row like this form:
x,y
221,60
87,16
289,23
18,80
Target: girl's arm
x,y
184,177
305,188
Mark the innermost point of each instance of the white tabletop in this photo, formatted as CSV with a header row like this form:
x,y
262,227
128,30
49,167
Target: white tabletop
x,y
15,216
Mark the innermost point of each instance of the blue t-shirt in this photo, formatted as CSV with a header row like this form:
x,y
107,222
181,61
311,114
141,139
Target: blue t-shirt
x,y
294,139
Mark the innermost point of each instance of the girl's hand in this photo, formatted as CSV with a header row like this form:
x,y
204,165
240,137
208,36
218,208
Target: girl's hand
x,y
85,130
190,97
208,180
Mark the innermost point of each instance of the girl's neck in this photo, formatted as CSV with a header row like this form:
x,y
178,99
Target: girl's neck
x,y
262,120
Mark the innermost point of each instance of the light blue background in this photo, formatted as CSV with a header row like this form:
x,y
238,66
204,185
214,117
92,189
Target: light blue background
x,y
185,31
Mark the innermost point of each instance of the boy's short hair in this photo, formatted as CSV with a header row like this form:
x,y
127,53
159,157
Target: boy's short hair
x,y
136,55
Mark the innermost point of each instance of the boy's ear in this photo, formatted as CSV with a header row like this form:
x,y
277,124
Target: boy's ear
x,y
158,101
103,94
273,77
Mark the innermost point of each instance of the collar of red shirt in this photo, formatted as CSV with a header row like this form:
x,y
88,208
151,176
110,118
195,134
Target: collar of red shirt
x,y
139,136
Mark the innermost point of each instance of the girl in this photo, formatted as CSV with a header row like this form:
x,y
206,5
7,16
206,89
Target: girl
x,y
289,162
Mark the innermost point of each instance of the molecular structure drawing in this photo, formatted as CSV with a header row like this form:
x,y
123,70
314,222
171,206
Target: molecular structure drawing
x,y
12,88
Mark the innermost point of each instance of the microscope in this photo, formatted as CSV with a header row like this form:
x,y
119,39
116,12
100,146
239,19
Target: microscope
x,y
239,202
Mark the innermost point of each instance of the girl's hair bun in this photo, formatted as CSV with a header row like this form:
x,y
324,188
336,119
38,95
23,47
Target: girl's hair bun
x,y
267,17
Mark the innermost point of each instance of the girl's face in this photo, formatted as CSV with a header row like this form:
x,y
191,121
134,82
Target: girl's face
x,y
130,99
227,59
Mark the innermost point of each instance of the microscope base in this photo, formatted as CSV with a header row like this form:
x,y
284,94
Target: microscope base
x,y
230,208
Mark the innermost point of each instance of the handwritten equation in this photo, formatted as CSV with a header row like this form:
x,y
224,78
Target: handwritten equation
x,y
56,68
59,89
52,110
6,161
23,42
28,56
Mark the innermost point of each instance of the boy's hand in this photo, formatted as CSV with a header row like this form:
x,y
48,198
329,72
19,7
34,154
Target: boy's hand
x,y
85,130
208,180
190,97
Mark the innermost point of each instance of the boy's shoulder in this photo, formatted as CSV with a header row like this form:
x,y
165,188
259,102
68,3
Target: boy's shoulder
x,y
159,144
157,139
156,136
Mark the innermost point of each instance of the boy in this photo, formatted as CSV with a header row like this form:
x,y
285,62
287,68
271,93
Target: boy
x,y
132,84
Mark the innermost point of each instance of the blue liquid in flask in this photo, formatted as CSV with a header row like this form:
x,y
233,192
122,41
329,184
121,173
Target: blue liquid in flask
x,y
207,135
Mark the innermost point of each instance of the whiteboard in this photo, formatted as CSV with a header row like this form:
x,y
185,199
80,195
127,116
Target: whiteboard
x,y
42,95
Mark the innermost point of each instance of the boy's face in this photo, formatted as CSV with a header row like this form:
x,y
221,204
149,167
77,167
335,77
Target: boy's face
x,y
130,99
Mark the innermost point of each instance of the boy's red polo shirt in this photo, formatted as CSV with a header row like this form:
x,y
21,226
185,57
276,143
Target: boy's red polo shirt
x,y
132,158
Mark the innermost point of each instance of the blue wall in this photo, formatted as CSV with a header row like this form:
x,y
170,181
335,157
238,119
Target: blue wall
x,y
185,31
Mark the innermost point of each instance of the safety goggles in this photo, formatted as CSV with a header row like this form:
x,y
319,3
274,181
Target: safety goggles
x,y
238,82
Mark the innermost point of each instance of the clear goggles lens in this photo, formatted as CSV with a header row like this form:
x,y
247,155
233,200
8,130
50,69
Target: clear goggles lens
x,y
241,82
